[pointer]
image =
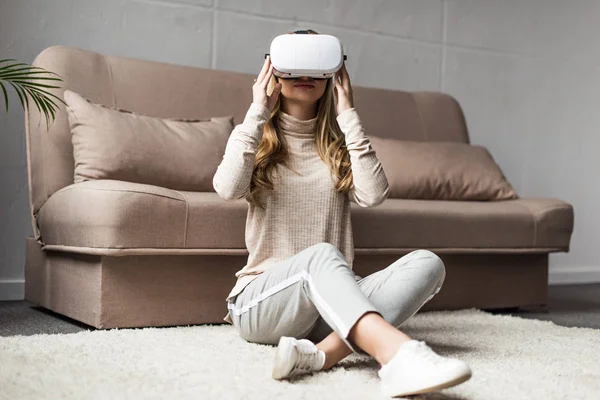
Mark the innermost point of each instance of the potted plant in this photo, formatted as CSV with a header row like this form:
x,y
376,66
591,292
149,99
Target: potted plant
x,y
30,82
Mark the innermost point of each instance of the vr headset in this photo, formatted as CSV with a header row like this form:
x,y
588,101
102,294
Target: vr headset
x,y
303,54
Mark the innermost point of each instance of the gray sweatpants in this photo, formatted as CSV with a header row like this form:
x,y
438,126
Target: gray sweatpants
x,y
314,292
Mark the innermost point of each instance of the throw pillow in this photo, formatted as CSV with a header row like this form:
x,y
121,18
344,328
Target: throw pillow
x,y
112,143
441,171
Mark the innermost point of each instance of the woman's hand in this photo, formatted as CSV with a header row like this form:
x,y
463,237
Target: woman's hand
x,y
259,89
343,90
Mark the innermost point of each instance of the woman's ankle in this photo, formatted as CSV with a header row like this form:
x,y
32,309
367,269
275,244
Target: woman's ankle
x,y
388,351
379,338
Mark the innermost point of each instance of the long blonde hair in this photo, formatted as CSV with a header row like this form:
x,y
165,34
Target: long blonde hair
x,y
330,141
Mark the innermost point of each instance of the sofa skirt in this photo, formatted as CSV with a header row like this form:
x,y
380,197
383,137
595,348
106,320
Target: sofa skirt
x,y
174,290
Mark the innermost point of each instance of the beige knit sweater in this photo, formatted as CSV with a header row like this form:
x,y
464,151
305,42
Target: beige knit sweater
x,y
304,208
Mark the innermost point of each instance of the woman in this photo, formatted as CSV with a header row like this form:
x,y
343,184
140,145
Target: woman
x,y
299,158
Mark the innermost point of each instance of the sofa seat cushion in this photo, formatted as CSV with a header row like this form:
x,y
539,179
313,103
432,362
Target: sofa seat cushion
x,y
116,217
519,224
111,214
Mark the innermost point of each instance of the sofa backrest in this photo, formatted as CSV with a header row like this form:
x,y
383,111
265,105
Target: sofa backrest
x,y
169,90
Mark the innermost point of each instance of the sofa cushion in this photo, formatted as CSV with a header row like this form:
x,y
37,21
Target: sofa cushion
x,y
111,143
111,214
441,171
112,217
518,224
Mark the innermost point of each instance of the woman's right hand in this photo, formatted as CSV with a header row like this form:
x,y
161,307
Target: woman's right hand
x,y
259,89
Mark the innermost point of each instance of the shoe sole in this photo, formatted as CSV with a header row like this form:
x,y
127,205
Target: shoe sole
x,y
456,381
284,349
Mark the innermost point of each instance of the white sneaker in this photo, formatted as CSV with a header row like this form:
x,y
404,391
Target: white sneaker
x,y
297,357
417,369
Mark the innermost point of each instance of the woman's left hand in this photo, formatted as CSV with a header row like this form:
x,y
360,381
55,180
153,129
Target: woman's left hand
x,y
343,90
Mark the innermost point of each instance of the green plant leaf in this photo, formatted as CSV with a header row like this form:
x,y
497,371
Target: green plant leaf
x,y
37,87
9,59
45,94
27,82
22,75
46,103
19,69
35,99
7,68
41,104
5,95
17,89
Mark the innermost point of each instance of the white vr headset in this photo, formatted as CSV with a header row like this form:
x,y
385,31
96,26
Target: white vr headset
x,y
302,54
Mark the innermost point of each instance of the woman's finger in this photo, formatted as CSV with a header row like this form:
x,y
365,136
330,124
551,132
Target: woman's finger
x,y
340,87
263,70
276,91
267,76
347,87
343,78
346,81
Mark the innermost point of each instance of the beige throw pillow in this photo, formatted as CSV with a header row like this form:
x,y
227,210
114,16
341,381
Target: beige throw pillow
x,y
109,143
441,171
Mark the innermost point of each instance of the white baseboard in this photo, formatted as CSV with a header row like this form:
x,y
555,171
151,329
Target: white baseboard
x,y
568,275
12,289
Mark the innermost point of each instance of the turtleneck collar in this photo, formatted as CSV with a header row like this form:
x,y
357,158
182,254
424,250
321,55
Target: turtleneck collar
x,y
293,126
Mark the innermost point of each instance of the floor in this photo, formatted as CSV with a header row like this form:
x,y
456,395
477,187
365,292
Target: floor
x,y
568,305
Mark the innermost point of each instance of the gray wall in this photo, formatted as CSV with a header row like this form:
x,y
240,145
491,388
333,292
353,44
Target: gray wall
x,y
526,72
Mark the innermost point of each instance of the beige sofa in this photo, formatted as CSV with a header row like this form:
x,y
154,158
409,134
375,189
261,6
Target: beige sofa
x,y
167,257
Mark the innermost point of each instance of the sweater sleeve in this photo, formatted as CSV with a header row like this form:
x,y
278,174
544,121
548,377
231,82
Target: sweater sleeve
x,y
232,178
371,186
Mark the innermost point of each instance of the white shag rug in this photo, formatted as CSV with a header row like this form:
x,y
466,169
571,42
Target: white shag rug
x,y
511,358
